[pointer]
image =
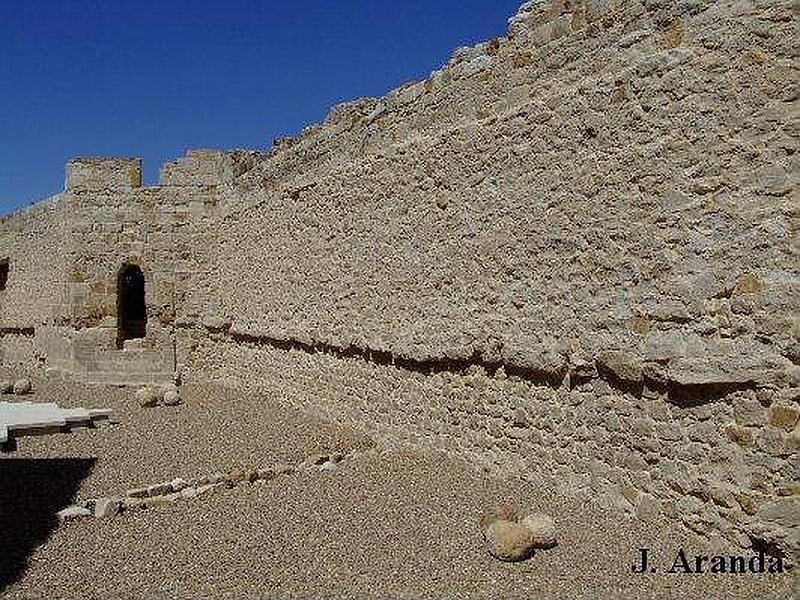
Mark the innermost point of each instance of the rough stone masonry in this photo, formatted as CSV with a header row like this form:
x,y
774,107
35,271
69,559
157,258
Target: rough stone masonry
x,y
571,254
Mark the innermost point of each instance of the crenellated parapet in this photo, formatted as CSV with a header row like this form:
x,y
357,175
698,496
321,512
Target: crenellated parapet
x,y
198,168
92,174
207,168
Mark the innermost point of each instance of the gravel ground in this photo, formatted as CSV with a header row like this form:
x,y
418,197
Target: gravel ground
x,y
215,429
400,524
385,524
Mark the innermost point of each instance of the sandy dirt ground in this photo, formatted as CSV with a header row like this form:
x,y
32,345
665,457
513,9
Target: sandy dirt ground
x,y
386,523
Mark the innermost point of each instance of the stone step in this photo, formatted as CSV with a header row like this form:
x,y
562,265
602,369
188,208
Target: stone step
x,y
32,418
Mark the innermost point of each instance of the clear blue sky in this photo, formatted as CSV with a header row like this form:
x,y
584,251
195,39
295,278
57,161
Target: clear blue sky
x,y
151,79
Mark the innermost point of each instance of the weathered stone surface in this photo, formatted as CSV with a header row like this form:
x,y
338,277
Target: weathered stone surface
x,y
148,397
648,508
154,490
217,478
543,361
215,322
622,365
96,174
105,508
142,492
784,416
73,513
159,489
567,198
275,471
775,442
509,541
189,492
747,502
6,387
500,512
205,489
785,512
317,460
749,412
171,398
242,476
543,530
724,370
22,386
739,435
178,484
40,418
328,466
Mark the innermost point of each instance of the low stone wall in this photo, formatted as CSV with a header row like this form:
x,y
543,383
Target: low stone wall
x,y
89,355
180,489
717,460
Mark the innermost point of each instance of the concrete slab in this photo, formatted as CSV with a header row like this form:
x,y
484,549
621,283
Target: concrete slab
x,y
30,418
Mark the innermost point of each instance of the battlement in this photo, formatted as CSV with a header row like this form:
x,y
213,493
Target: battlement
x,y
87,174
198,168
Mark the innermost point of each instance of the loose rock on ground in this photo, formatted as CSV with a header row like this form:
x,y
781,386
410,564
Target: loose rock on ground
x,y
509,539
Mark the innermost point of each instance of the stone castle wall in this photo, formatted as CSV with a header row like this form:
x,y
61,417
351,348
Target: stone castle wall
x,y
576,202
35,242
570,254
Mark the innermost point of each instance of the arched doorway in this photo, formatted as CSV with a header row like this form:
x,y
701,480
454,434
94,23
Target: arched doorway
x,y
131,307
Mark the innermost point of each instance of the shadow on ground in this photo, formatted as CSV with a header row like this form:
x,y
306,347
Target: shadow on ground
x,y
32,491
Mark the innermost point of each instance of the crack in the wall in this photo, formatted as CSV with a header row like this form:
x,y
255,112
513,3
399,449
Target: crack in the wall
x,y
681,395
23,331
634,388
677,394
429,366
768,548
693,395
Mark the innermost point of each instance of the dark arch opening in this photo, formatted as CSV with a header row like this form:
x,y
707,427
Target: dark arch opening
x,y
131,307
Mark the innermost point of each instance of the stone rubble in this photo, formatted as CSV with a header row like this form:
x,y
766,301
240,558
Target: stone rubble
x,y
105,508
72,513
152,396
511,539
180,489
543,530
171,398
19,387
147,397
23,386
